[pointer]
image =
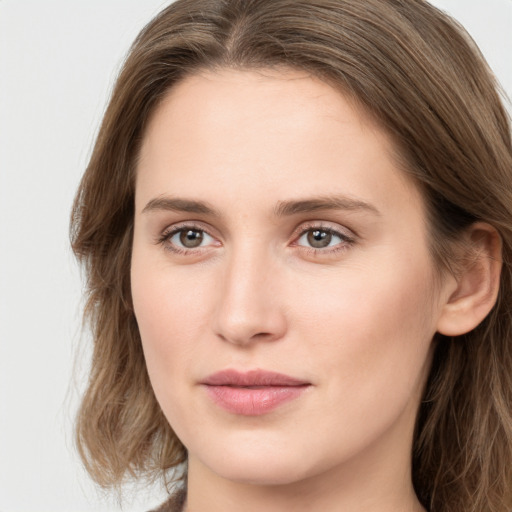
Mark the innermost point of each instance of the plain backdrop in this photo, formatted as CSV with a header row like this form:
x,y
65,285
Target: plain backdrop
x,y
58,61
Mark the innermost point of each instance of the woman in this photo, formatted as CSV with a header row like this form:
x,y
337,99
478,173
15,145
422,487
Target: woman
x,y
296,227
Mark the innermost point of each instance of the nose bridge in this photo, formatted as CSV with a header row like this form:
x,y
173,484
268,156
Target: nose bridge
x,y
248,304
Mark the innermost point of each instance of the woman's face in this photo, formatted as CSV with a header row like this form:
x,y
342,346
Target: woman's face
x,y
281,279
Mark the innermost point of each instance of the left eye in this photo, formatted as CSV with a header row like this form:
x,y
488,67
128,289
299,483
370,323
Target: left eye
x,y
320,238
188,238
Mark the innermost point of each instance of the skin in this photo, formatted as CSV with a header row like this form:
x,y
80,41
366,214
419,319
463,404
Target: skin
x,y
355,319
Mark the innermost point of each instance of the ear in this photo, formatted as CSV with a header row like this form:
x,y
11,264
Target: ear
x,y
473,292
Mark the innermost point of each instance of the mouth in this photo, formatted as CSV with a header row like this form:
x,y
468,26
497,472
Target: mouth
x,y
252,393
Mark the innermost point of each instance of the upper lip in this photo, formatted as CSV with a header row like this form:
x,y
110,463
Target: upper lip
x,y
231,377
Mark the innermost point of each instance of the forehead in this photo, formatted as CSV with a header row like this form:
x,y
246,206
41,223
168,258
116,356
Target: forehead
x,y
244,102
265,134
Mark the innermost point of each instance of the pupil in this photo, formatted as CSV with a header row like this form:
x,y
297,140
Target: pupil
x,y
319,239
191,238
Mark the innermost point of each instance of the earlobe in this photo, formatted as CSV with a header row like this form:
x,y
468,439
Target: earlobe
x,y
477,284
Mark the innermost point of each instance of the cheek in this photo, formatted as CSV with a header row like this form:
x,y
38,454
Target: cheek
x,y
370,335
373,326
168,320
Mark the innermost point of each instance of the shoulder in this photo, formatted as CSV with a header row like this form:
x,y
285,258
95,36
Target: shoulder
x,y
174,504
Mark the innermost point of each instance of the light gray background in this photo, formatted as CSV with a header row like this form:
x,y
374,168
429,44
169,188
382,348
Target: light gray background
x,y
58,60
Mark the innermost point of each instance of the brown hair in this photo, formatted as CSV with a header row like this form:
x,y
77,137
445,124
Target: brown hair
x,y
421,76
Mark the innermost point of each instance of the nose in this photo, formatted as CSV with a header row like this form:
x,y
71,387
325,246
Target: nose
x,y
249,308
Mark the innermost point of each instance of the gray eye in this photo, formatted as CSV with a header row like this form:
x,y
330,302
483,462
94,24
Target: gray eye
x,y
319,239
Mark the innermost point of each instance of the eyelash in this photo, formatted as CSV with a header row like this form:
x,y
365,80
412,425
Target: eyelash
x,y
346,240
166,236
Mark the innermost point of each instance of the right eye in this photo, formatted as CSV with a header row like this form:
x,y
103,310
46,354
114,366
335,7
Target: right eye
x,y
185,239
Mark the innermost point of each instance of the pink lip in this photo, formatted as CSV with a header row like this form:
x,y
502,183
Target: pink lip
x,y
252,393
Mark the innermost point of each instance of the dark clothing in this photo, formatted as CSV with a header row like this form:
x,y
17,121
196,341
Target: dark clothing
x,y
175,503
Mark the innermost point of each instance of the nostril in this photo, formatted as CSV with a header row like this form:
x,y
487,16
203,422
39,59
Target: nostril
x,y
248,334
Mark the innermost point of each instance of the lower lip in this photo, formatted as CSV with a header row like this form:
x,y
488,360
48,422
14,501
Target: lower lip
x,y
253,401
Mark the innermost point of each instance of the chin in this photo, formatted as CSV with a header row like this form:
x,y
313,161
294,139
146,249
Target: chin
x,y
259,463
261,473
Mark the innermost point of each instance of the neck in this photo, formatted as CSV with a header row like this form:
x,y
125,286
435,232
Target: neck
x,y
306,497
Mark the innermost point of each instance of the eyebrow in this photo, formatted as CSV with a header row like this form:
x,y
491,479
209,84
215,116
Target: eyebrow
x,y
293,207
282,209
180,205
